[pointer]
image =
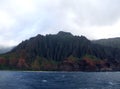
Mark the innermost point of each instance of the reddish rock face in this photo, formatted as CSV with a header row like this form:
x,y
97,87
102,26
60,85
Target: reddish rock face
x,y
13,62
3,61
89,61
22,63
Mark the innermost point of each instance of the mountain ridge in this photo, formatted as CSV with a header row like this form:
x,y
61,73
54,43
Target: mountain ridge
x,y
111,42
61,51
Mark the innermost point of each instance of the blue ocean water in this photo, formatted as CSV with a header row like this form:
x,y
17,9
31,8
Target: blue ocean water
x,y
59,80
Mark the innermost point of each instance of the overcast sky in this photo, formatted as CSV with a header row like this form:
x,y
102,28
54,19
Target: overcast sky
x,y
22,19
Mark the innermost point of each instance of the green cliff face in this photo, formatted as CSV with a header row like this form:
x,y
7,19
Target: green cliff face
x,y
62,52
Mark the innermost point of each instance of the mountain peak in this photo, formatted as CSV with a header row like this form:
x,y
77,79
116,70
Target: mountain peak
x,y
62,33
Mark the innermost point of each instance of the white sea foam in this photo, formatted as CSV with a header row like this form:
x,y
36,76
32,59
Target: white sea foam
x,y
111,83
44,80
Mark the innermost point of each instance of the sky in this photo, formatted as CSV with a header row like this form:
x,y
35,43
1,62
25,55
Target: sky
x,y
22,19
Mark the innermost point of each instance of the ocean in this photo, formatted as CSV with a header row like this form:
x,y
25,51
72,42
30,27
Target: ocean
x,y
59,80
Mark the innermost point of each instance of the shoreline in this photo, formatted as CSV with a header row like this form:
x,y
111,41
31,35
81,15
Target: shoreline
x,y
55,71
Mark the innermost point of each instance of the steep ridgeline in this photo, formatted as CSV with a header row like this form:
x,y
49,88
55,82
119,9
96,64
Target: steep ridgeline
x,y
61,51
55,47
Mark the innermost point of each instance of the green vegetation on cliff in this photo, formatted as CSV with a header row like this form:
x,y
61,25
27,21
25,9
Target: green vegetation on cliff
x,y
61,51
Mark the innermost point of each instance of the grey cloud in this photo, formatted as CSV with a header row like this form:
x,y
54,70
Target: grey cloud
x,y
50,16
95,12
